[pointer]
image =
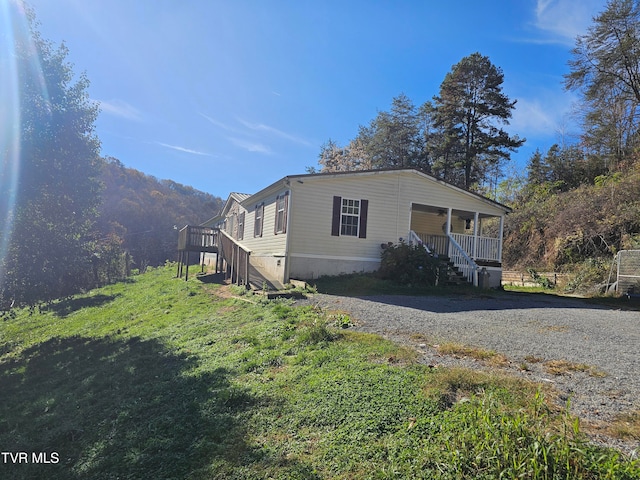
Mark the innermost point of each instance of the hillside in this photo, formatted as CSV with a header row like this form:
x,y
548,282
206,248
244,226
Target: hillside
x,y
161,378
564,230
144,212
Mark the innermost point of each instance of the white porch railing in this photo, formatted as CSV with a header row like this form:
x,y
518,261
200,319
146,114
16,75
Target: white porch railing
x,y
486,248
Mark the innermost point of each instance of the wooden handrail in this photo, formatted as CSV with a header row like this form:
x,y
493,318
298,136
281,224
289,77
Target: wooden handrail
x,y
237,258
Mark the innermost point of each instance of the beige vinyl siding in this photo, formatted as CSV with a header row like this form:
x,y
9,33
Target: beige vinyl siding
x,y
390,196
269,243
420,189
311,215
428,223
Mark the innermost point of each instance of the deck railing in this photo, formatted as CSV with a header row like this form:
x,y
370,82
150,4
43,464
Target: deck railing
x,y
196,238
463,261
463,250
435,243
486,248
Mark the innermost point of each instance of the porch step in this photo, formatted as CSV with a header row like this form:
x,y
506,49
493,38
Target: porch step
x,y
453,276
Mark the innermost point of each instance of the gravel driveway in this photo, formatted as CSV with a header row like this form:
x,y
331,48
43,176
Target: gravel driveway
x,y
530,330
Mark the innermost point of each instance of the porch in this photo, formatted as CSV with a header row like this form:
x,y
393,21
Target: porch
x,y
471,240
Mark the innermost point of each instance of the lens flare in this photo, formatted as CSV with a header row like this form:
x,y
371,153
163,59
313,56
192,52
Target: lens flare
x,y
16,46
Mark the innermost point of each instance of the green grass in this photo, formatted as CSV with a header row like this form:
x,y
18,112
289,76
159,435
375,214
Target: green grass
x,y
161,378
358,284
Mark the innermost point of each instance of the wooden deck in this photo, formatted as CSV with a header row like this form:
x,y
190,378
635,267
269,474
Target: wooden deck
x,y
198,239
232,258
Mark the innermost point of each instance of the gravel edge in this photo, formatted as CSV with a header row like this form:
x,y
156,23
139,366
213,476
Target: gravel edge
x,y
522,327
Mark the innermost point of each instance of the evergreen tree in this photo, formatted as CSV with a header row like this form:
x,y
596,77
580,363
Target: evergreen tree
x,y
468,109
394,139
537,169
52,204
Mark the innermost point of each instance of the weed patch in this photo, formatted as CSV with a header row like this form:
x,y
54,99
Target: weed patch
x,y
487,356
565,367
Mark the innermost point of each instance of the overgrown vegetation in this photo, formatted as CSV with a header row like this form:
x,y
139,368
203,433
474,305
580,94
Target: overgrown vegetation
x,y
409,265
164,378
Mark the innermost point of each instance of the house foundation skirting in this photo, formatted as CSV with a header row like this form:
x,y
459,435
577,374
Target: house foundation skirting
x,y
309,267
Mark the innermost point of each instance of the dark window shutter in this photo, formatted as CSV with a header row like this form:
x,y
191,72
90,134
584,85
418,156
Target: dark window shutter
x,y
286,211
275,223
259,220
335,219
364,210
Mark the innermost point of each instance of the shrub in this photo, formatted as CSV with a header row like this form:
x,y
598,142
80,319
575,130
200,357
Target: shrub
x,y
408,265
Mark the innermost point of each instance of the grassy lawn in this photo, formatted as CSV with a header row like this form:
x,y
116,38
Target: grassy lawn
x,y
161,378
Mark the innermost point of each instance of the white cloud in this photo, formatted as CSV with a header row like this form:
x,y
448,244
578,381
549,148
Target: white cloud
x,y
261,127
255,134
184,150
251,146
219,124
120,108
545,116
564,20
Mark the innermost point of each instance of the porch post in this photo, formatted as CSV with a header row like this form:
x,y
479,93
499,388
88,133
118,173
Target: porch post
x,y
448,230
500,238
476,218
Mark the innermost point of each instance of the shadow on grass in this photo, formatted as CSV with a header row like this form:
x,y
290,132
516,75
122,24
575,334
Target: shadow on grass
x,y
67,307
109,408
211,277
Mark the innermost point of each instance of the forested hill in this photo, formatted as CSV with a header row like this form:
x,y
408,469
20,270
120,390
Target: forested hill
x,y
143,212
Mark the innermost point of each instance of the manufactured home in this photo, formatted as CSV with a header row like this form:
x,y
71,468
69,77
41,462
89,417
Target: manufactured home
x,y
306,226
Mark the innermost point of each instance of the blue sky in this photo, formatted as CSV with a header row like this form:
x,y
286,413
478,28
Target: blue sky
x,y
233,95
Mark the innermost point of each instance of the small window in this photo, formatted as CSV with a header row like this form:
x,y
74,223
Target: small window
x,y
257,224
350,217
241,226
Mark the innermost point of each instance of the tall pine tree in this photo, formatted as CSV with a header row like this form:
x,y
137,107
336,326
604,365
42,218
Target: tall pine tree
x,y
468,112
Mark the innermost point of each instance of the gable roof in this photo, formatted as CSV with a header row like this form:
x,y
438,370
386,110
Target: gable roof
x,y
244,198
300,177
233,196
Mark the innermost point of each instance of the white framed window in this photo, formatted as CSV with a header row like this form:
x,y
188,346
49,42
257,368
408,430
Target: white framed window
x,y
257,224
349,217
282,202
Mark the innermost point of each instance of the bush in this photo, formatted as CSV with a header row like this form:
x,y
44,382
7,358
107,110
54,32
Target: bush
x,y
408,265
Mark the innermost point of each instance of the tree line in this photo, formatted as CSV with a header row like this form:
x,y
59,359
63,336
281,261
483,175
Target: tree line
x,y
457,136
70,219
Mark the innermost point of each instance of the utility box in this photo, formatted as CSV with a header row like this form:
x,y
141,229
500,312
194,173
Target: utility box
x,y
483,279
